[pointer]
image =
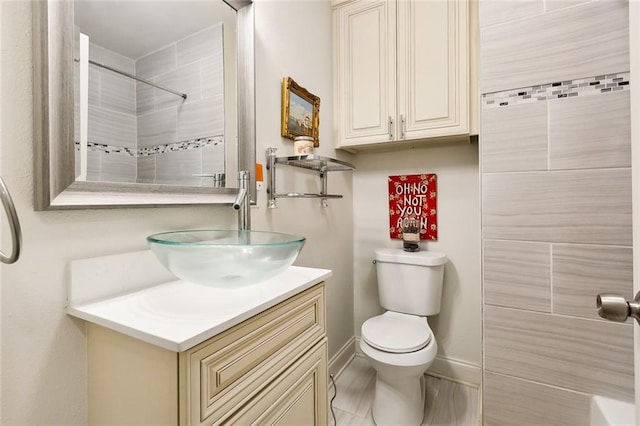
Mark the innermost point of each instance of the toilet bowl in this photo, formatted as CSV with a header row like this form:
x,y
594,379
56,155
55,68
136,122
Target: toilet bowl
x,y
399,343
400,347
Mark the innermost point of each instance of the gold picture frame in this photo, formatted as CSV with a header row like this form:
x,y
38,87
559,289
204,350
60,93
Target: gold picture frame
x,y
300,112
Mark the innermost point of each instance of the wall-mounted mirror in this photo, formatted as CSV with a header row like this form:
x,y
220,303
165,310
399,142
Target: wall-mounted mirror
x,y
142,102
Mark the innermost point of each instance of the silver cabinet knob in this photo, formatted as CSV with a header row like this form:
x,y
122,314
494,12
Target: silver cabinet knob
x,y
616,308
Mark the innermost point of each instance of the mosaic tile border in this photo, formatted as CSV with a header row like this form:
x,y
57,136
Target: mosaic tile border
x,y
181,146
108,149
154,150
562,89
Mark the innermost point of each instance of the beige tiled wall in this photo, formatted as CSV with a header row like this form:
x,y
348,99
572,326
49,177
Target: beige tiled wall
x,y
559,44
573,353
545,405
590,132
193,66
517,274
556,208
501,152
112,118
580,271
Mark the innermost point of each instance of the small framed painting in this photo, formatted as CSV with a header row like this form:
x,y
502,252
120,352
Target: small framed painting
x,y
300,111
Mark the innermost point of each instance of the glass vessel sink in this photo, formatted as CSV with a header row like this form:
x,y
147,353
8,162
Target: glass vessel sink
x,y
225,258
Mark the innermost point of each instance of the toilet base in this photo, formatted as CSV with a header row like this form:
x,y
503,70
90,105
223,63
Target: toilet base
x,y
399,401
400,388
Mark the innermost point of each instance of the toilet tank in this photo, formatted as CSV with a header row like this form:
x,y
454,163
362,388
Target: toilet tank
x,y
410,282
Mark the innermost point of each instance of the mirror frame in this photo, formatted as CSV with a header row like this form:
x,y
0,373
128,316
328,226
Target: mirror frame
x,y
55,186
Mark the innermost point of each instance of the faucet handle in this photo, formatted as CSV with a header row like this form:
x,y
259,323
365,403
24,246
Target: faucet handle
x,y
242,202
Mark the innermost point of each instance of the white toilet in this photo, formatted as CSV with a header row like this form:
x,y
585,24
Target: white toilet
x,y
399,343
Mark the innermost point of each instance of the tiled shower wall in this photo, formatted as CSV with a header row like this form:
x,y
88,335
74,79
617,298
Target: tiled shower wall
x,y
178,137
138,133
556,207
112,119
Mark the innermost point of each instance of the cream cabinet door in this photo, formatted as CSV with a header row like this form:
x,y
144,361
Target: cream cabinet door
x,y
298,397
433,68
401,71
224,372
365,72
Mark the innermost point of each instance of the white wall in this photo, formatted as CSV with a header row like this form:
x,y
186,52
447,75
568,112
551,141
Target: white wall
x,y
293,38
43,350
457,328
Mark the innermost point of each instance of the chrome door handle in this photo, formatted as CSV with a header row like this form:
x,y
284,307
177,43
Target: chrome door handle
x,y
390,128
616,308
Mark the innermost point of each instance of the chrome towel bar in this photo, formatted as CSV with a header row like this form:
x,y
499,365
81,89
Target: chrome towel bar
x,y
14,225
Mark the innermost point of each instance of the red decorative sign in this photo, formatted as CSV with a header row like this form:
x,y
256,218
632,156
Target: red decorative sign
x,y
413,197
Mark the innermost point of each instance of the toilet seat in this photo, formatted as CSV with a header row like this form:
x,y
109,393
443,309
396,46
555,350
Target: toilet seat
x,y
423,357
396,333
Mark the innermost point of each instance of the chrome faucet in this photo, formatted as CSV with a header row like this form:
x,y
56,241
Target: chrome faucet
x,y
242,203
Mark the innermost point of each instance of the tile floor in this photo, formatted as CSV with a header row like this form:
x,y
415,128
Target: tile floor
x,y
448,403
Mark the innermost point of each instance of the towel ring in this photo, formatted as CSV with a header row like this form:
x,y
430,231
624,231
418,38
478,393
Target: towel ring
x,y
14,224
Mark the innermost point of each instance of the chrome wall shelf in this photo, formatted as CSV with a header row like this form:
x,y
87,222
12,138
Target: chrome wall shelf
x,y
322,165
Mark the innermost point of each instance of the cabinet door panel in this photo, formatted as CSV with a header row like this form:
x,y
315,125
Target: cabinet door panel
x,y
365,72
227,370
433,76
427,72
298,397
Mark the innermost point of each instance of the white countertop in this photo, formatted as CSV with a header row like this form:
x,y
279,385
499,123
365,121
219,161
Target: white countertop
x,y
178,315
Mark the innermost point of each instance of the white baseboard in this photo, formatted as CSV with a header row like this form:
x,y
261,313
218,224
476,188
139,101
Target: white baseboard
x,y
448,368
341,359
357,342
457,371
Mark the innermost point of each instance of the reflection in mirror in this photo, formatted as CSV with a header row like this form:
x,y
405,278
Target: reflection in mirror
x,y
167,140
155,92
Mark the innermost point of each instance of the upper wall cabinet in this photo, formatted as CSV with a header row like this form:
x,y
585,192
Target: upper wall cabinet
x,y
402,71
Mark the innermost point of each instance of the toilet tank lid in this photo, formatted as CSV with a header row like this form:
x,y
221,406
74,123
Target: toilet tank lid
x,y
421,258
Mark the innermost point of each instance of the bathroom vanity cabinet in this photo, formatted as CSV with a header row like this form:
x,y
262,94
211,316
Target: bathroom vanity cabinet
x,y
270,368
403,71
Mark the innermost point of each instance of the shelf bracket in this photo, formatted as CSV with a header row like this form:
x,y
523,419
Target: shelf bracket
x,y
271,178
323,190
